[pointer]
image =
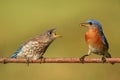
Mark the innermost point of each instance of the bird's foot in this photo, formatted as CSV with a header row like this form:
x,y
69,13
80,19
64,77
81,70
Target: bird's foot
x,y
28,60
112,63
4,61
42,59
103,59
82,58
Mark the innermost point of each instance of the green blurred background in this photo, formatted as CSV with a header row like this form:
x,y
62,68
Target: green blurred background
x,y
23,19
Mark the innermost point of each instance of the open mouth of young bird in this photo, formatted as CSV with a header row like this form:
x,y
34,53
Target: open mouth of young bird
x,y
56,35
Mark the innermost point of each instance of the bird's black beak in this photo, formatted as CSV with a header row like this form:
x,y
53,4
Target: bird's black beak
x,y
84,24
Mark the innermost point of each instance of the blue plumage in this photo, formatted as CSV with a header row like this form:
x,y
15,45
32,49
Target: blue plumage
x,y
100,31
96,40
97,23
15,54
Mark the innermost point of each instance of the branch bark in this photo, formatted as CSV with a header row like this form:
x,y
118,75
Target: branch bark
x,y
58,60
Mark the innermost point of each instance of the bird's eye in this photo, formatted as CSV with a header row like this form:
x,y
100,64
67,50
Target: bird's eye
x,y
49,33
90,23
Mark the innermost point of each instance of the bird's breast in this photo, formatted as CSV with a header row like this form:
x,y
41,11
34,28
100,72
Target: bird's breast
x,y
93,38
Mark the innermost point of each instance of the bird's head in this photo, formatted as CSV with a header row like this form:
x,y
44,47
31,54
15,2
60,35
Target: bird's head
x,y
52,33
49,35
92,24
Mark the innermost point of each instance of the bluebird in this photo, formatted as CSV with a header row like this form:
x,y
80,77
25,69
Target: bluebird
x,y
36,47
96,40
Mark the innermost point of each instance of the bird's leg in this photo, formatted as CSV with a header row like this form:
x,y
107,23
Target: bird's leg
x,y
103,59
27,61
83,57
42,59
4,61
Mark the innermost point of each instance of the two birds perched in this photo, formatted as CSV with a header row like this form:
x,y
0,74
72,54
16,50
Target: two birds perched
x,y
95,39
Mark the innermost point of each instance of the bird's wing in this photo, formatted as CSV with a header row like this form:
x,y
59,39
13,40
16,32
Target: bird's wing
x,y
15,54
104,39
18,50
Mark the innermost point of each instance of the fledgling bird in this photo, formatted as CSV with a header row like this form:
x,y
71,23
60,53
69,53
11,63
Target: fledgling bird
x,y
96,40
36,47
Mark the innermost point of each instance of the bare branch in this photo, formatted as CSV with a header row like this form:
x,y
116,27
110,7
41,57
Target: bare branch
x,y
58,60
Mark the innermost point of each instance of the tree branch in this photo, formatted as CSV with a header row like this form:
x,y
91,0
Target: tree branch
x,y
58,60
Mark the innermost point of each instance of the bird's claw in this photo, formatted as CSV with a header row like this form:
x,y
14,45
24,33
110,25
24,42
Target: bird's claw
x,y
82,59
28,60
42,59
4,61
103,59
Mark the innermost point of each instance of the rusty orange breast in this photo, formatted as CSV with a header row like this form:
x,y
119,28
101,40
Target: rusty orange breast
x,y
93,38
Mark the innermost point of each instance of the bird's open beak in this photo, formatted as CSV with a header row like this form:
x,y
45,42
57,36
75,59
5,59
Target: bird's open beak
x,y
56,35
84,24
53,31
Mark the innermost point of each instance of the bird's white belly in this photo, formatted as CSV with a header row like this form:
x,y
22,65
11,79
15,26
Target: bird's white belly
x,y
94,50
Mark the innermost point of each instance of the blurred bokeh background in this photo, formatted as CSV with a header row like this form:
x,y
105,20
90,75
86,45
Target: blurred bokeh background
x,y
23,19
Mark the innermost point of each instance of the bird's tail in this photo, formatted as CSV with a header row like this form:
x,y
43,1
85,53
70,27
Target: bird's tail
x,y
14,55
107,55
